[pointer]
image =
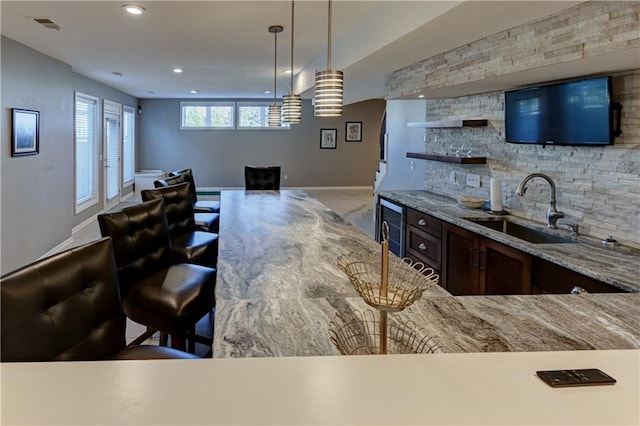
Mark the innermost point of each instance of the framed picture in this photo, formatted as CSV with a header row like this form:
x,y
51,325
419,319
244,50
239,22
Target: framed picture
x,y
328,138
353,131
25,132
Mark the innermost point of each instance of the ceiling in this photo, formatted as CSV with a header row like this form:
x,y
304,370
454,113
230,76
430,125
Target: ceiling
x,y
226,51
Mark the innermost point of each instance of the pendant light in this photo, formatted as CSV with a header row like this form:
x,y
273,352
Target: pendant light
x,y
275,119
291,103
328,87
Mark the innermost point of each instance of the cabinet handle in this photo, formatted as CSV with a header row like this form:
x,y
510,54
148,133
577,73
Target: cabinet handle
x,y
474,258
422,222
422,246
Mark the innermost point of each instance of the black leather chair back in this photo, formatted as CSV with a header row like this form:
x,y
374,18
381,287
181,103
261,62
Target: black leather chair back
x,y
65,307
262,177
187,175
141,241
177,205
169,181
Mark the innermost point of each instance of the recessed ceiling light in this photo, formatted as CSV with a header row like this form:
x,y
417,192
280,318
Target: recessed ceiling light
x,y
287,71
177,70
193,91
267,91
421,96
133,9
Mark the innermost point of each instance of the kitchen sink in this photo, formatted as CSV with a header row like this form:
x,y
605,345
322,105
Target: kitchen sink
x,y
532,235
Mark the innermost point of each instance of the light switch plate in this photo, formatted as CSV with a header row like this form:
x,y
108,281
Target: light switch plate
x,y
473,180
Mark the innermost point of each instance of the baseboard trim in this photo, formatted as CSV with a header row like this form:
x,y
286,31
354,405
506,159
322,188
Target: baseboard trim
x,y
57,248
82,225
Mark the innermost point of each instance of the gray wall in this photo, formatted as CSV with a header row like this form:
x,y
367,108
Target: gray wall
x,y
37,191
37,196
218,156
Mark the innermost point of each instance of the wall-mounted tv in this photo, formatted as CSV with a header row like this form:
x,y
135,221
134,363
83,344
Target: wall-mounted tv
x,y
571,113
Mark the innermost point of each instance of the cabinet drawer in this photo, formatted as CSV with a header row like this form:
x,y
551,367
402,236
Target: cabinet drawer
x,y
425,247
424,222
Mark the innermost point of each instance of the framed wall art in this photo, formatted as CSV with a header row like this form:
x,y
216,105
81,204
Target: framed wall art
x,y
25,132
353,131
328,138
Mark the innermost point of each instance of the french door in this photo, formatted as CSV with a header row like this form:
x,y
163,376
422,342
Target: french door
x,y
112,130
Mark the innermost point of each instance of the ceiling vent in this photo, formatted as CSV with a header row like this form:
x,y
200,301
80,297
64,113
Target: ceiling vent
x,y
47,23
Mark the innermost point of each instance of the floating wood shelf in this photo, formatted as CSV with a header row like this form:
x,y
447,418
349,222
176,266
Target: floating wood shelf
x,y
448,158
448,124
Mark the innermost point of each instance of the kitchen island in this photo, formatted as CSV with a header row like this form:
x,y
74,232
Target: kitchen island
x,y
279,287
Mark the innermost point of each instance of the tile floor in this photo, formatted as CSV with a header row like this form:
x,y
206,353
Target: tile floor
x,y
354,205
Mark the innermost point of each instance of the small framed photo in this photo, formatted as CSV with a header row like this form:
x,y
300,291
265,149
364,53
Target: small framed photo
x,y
328,138
353,131
25,133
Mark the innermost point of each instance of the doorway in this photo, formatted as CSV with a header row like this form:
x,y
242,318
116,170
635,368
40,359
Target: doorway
x,y
112,130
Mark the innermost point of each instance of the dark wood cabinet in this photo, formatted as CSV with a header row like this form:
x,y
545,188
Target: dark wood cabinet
x,y
475,265
460,261
549,278
503,270
423,242
470,264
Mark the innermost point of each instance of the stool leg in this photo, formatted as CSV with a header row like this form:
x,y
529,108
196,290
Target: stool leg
x,y
164,339
178,342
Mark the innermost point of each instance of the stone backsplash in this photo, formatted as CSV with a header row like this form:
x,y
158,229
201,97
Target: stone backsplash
x,y
597,187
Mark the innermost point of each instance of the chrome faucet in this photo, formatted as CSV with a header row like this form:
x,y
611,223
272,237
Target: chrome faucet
x,y
552,214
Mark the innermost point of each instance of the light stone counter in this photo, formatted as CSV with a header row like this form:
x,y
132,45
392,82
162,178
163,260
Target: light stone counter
x,y
279,286
619,268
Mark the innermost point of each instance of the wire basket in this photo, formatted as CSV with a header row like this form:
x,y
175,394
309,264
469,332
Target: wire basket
x,y
356,333
406,282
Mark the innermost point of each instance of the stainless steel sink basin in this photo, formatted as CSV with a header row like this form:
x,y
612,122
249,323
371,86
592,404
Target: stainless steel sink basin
x,y
532,235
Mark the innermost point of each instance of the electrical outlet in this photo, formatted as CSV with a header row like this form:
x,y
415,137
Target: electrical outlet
x,y
412,164
473,180
285,177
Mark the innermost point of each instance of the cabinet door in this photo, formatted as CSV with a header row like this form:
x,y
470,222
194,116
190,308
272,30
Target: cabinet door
x,y
503,270
548,277
460,261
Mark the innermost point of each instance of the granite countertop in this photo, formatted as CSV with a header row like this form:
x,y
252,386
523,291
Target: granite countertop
x,y
619,267
279,287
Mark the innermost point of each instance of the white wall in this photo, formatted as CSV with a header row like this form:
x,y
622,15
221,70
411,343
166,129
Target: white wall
x,y
401,140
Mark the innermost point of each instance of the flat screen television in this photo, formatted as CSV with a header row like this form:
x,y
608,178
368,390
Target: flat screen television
x,y
571,113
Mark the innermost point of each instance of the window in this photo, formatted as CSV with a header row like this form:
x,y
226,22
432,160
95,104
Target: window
x,y
207,115
86,151
222,115
128,145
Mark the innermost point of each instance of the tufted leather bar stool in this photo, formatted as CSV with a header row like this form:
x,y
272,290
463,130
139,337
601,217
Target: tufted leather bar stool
x,y
187,244
67,307
262,177
157,293
202,206
205,221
